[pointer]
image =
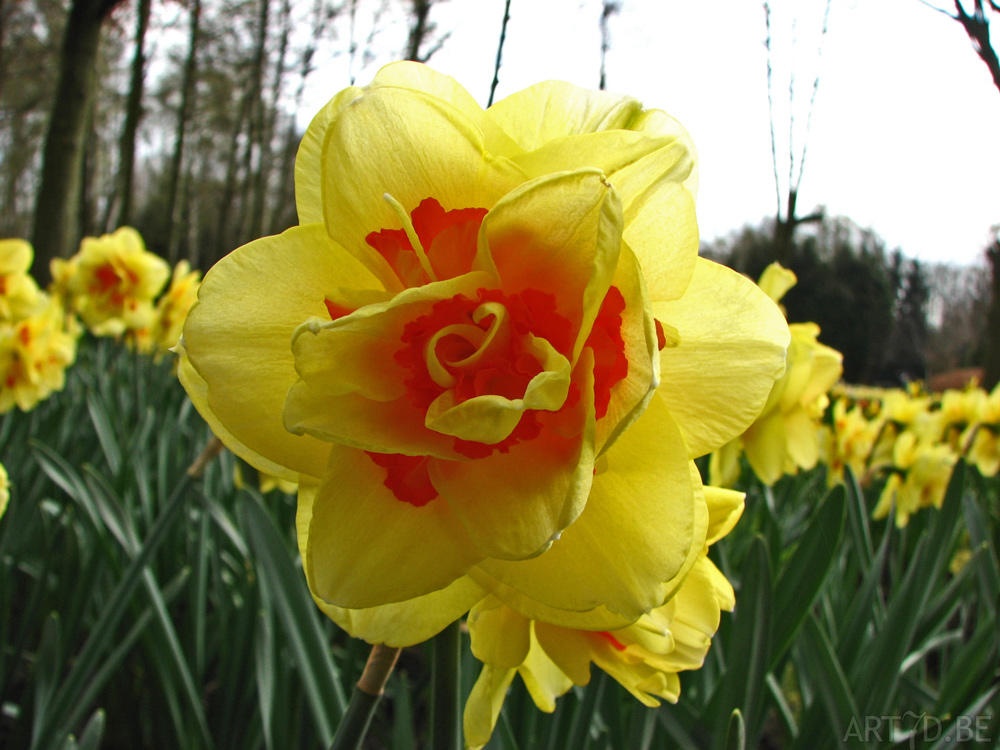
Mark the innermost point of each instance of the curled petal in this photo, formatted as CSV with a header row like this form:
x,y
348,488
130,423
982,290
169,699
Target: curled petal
x,y
563,231
513,503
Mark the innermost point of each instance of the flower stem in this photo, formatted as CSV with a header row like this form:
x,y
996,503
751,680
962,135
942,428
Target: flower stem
x,y
354,726
446,699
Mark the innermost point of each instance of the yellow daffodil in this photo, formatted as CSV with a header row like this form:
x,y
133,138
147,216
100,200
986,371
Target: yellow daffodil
x,y
19,295
850,441
113,282
918,478
488,353
172,307
984,437
34,355
4,489
644,657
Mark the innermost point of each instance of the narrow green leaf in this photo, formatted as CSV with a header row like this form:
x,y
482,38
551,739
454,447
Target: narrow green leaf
x,y
104,629
750,643
299,616
48,665
979,535
861,533
265,667
93,733
803,575
829,681
585,715
736,734
105,433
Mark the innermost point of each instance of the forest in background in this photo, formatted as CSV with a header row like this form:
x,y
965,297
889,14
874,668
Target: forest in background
x,y
191,131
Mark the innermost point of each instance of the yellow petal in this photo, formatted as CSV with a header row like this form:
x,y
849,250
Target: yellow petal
x,y
15,256
308,173
400,624
500,636
724,509
560,233
513,503
731,349
543,678
237,337
482,709
764,444
368,548
630,396
552,109
634,533
568,649
411,146
802,434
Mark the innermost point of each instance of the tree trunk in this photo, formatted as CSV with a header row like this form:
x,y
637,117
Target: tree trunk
x,y
133,113
173,233
56,232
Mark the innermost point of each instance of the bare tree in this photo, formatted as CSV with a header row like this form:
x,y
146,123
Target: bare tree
x,y
977,28
787,221
421,31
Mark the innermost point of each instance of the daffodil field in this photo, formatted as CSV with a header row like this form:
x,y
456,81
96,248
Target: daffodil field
x,y
481,453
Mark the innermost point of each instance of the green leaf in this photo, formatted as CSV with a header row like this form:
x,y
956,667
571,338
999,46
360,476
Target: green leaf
x,y
287,588
803,575
750,642
105,433
93,732
104,628
828,679
48,665
736,734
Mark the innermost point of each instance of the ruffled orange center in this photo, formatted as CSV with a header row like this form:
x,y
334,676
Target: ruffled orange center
x,y
487,345
478,347
109,282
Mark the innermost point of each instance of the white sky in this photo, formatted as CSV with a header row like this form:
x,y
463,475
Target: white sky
x,y
903,136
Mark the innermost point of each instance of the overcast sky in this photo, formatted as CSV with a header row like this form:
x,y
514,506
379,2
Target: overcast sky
x,y
903,137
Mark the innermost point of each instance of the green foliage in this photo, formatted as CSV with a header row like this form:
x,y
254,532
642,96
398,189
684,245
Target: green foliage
x,y
143,609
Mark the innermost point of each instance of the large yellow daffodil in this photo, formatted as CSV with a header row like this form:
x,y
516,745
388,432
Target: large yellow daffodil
x,y
488,353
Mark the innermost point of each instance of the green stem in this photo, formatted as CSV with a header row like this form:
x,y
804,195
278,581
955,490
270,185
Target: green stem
x,y
364,700
446,699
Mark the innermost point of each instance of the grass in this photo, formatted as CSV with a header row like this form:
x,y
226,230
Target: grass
x,y
141,608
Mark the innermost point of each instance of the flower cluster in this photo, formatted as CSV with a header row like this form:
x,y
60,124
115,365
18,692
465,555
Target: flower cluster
x,y
37,343
786,436
488,355
913,439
